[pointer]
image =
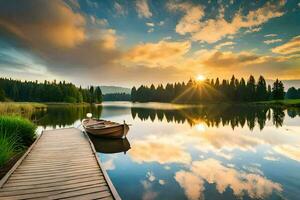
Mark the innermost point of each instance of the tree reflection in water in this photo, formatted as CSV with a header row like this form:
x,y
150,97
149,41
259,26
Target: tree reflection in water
x,y
62,116
215,116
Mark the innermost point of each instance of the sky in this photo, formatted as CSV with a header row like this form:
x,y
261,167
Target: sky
x,y
126,43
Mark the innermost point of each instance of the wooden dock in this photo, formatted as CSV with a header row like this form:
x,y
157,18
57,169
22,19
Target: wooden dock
x,y
61,164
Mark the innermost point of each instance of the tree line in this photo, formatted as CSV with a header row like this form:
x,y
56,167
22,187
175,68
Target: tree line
x,y
33,91
116,97
211,90
293,93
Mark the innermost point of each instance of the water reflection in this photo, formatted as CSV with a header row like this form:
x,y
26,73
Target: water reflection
x,y
208,152
62,116
212,171
215,116
106,145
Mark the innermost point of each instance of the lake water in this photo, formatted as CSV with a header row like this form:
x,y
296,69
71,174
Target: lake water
x,y
181,152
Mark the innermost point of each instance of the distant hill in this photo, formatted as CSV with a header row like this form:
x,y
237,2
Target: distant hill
x,y
114,89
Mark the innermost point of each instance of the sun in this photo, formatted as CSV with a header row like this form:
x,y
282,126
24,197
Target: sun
x,y
200,127
200,77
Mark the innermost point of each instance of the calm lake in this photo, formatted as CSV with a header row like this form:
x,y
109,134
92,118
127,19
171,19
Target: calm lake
x,y
180,152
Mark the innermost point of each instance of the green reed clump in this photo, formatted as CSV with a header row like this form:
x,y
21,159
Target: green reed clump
x,y
20,108
19,127
16,134
9,147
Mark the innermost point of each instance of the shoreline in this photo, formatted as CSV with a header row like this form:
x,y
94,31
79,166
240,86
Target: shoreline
x,y
41,105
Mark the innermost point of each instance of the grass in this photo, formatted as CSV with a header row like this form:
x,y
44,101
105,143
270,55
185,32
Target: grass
x,y
19,108
284,102
9,147
66,104
16,134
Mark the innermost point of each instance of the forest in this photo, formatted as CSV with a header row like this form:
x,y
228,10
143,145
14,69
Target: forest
x,y
212,90
116,97
29,91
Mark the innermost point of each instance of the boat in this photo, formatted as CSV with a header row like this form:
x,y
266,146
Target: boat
x,y
109,145
104,128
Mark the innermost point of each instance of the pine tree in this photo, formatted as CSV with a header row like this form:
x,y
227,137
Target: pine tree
x,y
133,94
250,96
261,91
278,90
98,95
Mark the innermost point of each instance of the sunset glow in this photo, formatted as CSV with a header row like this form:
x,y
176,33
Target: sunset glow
x,y
145,41
200,77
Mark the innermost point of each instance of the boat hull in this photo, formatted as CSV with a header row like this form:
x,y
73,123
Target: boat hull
x,y
114,131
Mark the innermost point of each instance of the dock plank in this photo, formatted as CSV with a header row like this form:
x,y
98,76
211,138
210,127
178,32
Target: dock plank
x,y
62,164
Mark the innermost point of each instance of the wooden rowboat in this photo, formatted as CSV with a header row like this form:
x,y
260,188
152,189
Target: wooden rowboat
x,y
103,128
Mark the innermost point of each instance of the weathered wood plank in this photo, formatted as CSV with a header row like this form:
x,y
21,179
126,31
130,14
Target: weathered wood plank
x,y
61,193
52,176
54,184
62,164
55,188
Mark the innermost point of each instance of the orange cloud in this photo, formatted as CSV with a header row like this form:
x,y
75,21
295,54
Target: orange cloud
x,y
219,46
290,151
158,151
213,30
212,171
227,59
56,26
193,186
160,53
272,41
292,46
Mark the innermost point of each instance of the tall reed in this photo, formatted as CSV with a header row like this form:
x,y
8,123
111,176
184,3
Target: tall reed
x,y
16,134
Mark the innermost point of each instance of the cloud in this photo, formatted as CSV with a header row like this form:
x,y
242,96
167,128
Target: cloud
x,y
161,23
92,4
271,158
219,46
174,55
192,185
150,176
148,194
143,9
96,21
290,151
69,43
272,41
217,141
73,3
252,30
61,38
161,182
109,164
213,172
119,9
189,23
55,26
212,30
150,30
292,46
150,24
227,59
157,54
158,151
270,35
